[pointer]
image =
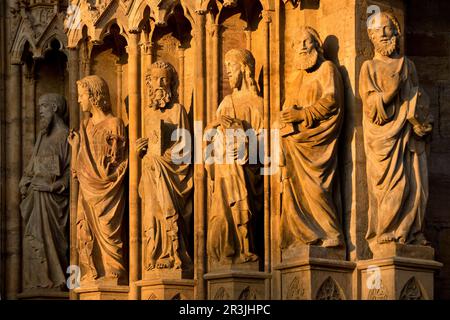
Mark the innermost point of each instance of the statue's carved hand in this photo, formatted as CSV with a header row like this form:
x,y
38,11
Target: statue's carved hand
x,y
23,191
422,130
293,114
141,146
225,121
74,139
39,186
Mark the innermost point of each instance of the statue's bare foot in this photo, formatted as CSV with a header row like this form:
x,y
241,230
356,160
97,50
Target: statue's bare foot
x,y
421,240
164,263
251,257
151,265
331,243
385,238
177,263
113,274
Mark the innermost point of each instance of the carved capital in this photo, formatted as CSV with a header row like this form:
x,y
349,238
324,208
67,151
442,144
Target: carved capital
x,y
267,18
146,48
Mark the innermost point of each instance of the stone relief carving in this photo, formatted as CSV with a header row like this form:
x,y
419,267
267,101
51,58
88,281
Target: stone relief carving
x,y
45,200
166,182
411,290
248,294
310,123
221,294
161,10
152,296
99,162
295,290
234,181
329,290
396,121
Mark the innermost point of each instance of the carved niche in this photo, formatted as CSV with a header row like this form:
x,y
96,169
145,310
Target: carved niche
x,y
412,290
329,290
296,291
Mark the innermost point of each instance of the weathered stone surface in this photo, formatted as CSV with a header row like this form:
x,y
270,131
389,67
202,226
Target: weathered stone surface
x,y
45,49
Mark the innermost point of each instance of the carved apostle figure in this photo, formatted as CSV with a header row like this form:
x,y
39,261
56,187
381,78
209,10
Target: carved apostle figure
x,y
45,200
395,120
99,162
311,120
166,181
236,184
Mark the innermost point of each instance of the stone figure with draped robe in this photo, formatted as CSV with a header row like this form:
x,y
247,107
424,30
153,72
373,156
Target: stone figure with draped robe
x,y
45,201
396,121
99,162
166,182
235,181
310,124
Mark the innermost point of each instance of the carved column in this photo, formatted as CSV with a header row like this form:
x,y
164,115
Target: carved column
x,y
134,93
119,72
215,71
29,110
74,123
181,74
199,169
266,68
146,61
14,172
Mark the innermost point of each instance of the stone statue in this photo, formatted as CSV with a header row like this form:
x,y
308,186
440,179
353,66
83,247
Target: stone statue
x,y
396,120
99,161
166,181
236,182
310,121
45,200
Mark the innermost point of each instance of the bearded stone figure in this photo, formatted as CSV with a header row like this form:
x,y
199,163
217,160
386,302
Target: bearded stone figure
x,y
310,121
45,200
235,181
396,121
99,162
166,182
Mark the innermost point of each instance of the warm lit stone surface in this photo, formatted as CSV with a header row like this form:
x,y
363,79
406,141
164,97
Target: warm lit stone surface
x,y
360,188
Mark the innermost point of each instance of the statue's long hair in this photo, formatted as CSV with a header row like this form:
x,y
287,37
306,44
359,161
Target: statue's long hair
x,y
245,57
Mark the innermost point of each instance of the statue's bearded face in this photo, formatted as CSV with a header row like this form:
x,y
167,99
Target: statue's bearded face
x,y
306,51
383,35
46,113
234,72
158,84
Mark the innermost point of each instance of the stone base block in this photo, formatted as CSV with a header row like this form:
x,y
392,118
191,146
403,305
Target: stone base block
x,y
394,249
315,273
102,292
43,294
237,285
397,278
166,289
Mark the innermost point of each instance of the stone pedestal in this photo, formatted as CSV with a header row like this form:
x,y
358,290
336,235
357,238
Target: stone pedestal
x,y
398,272
43,294
166,289
315,273
102,292
236,285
